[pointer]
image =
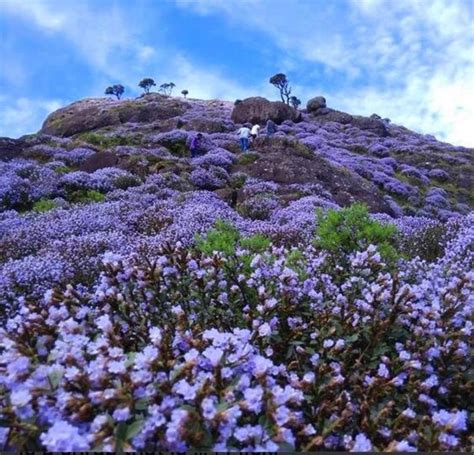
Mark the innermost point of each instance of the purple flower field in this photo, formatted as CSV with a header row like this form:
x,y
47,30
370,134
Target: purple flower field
x,y
119,333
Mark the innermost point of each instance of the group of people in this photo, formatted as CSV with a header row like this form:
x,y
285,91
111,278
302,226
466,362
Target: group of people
x,y
246,136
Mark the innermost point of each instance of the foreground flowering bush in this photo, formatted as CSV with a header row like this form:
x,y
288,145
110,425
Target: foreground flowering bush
x,y
271,351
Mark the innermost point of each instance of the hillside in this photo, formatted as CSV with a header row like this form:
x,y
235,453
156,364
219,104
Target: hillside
x,y
154,301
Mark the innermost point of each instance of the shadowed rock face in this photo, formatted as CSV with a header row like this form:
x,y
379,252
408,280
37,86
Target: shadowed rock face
x,y
374,125
99,160
91,114
287,162
260,110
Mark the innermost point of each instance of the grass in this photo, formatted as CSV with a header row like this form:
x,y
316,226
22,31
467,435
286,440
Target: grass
x,y
248,158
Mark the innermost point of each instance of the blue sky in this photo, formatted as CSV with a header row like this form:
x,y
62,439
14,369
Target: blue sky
x,y
409,60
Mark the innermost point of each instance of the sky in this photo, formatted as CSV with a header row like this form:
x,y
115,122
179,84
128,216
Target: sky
x,y
409,60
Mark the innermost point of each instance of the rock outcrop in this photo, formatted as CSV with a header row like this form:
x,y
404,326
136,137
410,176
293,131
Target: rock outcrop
x,y
376,126
99,160
93,113
287,162
316,103
259,110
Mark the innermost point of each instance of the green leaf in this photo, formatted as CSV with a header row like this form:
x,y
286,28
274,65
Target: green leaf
x,y
55,378
120,436
141,404
134,428
352,338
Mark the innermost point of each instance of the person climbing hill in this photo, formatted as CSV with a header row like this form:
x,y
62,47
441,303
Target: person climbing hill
x,y
196,146
271,128
244,134
254,132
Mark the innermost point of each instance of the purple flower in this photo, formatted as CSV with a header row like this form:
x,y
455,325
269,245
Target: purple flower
x,y
361,444
121,414
63,437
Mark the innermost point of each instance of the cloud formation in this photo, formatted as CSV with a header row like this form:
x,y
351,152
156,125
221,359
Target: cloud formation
x,y
410,60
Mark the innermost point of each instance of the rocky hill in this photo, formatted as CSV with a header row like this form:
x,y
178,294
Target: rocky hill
x,y
154,301
351,158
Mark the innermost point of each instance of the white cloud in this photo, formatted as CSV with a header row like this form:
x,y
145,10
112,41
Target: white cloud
x,y
417,56
23,115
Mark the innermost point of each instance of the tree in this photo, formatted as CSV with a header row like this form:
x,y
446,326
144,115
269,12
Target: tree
x,y
295,102
115,90
167,88
281,83
184,93
146,84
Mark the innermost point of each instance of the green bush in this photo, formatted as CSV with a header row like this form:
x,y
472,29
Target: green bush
x,y
248,158
86,197
44,205
428,243
103,141
351,229
62,169
256,243
224,237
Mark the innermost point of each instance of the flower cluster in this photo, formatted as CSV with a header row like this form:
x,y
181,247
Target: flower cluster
x,y
277,351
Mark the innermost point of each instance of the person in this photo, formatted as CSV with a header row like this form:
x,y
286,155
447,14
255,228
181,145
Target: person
x,y
271,128
196,146
254,132
244,134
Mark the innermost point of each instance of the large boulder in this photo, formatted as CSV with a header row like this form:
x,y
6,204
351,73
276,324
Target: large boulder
x,y
373,125
99,160
259,110
316,103
93,113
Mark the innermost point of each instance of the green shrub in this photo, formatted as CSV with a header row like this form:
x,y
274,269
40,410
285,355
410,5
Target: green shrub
x,y
85,197
256,243
428,243
248,158
103,141
237,180
62,169
44,205
223,237
351,229
125,181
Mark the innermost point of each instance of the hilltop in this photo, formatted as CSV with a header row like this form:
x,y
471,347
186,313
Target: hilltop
x,y
392,169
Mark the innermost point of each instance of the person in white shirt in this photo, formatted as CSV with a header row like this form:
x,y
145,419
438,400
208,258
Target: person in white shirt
x,y
244,134
254,132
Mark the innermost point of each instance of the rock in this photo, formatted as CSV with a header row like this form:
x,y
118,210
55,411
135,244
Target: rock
x,y
376,117
331,115
94,113
99,160
370,124
259,110
316,103
286,162
205,125
322,111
